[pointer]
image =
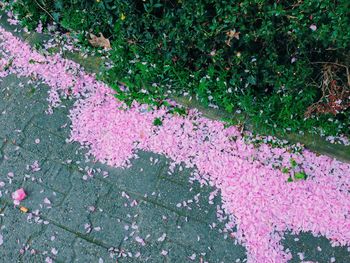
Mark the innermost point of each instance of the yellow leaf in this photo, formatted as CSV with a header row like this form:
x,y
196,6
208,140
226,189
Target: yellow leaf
x,y
24,209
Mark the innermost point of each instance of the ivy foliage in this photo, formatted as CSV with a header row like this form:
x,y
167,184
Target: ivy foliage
x,y
265,58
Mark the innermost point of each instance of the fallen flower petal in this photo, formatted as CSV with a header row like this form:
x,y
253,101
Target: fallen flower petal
x,y
313,27
19,195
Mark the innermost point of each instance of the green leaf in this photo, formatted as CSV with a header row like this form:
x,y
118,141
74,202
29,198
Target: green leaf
x,y
58,5
300,176
252,80
285,170
157,122
293,163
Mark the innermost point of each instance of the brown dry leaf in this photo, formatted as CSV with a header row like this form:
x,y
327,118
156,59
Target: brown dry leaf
x,y
228,42
230,35
100,41
233,34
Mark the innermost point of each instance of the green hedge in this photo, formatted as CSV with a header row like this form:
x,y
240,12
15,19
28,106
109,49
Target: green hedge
x,y
271,59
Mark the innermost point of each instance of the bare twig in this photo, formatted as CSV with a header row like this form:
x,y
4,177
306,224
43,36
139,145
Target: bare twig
x,y
42,8
335,98
339,65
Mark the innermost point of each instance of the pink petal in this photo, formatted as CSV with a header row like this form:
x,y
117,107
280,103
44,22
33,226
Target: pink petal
x,y
19,195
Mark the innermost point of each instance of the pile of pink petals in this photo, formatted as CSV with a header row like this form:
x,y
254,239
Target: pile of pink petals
x,y
250,179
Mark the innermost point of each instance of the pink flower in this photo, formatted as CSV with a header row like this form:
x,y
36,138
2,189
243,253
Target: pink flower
x,y
19,195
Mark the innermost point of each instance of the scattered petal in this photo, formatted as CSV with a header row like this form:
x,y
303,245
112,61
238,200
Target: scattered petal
x,y
19,195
